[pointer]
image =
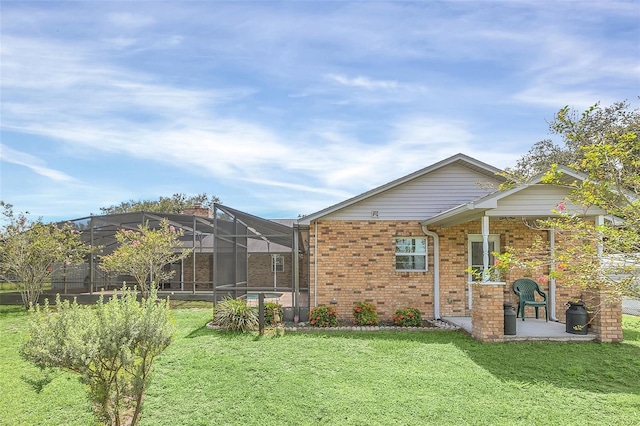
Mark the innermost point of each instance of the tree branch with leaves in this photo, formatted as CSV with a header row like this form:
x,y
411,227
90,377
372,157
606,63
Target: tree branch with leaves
x,y
30,249
144,253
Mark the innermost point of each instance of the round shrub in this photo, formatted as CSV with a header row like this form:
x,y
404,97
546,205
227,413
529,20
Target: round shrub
x,y
364,313
235,315
407,317
323,316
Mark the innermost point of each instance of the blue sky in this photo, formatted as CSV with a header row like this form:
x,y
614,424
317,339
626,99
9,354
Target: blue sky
x,y
285,108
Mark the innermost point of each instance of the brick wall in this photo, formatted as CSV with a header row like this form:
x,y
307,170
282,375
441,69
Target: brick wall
x,y
605,315
356,262
260,274
204,266
487,317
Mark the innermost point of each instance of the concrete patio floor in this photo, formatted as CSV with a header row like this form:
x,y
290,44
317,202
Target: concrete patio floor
x,y
531,329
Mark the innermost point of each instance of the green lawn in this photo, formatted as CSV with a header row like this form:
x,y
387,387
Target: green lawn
x,y
379,378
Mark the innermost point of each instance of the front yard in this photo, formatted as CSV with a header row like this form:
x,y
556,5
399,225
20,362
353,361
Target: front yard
x,y
406,378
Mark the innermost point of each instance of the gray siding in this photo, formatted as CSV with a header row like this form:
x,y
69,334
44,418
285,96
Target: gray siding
x,y
422,197
538,200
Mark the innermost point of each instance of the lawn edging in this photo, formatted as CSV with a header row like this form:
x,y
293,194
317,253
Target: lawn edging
x,y
434,325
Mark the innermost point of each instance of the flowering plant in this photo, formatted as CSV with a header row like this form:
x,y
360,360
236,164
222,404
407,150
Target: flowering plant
x,y
323,316
364,313
407,317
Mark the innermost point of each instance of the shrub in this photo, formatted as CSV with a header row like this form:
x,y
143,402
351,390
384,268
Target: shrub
x,y
364,313
323,316
235,315
270,308
407,317
112,347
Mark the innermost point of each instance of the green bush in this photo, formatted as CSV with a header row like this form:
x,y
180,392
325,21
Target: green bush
x,y
364,313
270,309
323,316
407,317
112,347
235,315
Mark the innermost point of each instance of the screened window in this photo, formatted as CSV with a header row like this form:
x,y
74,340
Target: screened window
x,y
277,263
411,254
475,253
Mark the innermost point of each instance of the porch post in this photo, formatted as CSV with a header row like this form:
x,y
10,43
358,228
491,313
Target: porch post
x,y
552,281
487,315
485,249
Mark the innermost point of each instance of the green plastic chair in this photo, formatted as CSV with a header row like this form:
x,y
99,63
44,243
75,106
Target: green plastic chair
x,y
526,290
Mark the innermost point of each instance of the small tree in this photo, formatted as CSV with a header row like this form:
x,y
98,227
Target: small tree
x,y
29,249
144,253
606,149
112,347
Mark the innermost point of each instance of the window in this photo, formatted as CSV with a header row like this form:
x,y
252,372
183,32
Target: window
x,y
411,254
277,263
475,253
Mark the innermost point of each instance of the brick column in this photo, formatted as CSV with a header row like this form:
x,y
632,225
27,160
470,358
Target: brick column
x,y
487,313
605,315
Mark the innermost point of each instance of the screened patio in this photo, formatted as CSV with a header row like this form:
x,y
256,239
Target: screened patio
x,y
233,254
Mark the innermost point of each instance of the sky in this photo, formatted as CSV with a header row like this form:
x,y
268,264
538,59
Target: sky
x,y
284,108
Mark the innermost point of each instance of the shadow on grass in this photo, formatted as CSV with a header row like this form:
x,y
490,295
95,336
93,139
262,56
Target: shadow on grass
x,y
12,311
40,380
589,366
198,332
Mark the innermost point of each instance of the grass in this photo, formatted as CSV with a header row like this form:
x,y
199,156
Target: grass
x,y
380,378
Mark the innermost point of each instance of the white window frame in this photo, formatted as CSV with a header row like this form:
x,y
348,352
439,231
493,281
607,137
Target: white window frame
x,y
477,238
277,263
415,254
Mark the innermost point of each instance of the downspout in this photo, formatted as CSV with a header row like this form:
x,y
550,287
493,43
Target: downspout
x,y
552,281
436,270
315,266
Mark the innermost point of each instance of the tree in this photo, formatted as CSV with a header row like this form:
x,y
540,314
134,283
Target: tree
x,y
578,131
605,147
175,204
112,346
144,253
29,249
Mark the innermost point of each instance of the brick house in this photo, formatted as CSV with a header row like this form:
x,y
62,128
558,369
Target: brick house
x,y
409,242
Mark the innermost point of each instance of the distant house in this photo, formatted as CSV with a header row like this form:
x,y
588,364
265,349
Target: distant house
x,y
408,243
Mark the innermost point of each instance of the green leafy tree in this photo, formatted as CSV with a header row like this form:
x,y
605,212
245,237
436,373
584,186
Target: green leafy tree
x,y
578,131
606,256
175,204
144,253
112,346
29,249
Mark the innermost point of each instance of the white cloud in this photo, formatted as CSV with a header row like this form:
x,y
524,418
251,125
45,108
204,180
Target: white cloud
x,y
362,82
33,163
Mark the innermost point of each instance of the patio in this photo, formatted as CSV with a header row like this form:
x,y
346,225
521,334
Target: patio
x,y
531,330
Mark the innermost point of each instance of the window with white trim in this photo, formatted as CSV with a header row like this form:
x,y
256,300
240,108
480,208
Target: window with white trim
x,y
411,254
475,253
277,263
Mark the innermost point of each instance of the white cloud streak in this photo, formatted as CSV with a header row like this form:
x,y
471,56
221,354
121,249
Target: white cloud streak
x,y
37,165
